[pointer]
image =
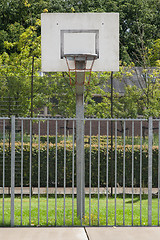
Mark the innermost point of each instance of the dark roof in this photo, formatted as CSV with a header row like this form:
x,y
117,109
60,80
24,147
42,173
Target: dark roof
x,y
137,79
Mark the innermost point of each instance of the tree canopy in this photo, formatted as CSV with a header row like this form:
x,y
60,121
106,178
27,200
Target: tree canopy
x,y
139,20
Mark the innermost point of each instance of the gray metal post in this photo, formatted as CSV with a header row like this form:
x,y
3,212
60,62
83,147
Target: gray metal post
x,y
12,167
80,162
150,137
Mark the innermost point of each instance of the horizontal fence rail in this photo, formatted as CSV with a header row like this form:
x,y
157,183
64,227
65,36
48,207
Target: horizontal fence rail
x,y
38,172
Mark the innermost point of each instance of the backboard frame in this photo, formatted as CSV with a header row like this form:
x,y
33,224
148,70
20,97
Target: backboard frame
x,y
96,32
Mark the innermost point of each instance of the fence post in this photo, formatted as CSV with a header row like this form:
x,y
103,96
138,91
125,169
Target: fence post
x,y
150,138
12,167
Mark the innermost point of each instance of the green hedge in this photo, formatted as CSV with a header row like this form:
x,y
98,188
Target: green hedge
x,y
69,152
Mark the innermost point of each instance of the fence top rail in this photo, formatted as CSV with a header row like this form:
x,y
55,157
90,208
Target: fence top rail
x,y
115,119
156,119
5,118
85,119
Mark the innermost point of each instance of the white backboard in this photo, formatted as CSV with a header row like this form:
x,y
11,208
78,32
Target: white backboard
x,y
77,33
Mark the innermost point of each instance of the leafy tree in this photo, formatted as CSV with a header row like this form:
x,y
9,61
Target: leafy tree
x,y
154,54
13,96
58,88
3,37
12,11
137,17
142,101
16,67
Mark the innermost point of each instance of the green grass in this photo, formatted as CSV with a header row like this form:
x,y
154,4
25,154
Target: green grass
x,y
68,211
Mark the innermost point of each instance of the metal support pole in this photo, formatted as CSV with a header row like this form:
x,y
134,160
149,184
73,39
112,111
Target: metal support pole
x,y
112,134
150,138
12,167
80,162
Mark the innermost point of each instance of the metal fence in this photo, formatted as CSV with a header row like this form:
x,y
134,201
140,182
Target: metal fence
x,y
38,172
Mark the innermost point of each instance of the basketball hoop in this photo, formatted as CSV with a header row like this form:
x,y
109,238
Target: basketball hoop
x,y
79,64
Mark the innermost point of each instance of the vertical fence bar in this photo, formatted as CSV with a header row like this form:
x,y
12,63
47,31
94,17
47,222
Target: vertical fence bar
x,y
115,221
141,173
132,167
124,132
30,172
12,167
158,167
150,138
21,171
56,177
38,169
47,166
73,180
64,219
98,166
107,181
90,171
3,167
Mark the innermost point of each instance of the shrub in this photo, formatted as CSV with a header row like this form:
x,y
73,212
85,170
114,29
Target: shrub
x,y
69,157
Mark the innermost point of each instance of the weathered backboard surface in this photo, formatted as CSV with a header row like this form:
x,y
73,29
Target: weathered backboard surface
x,y
74,33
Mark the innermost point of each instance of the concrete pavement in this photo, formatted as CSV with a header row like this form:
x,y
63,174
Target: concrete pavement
x,y
42,233
62,233
124,233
